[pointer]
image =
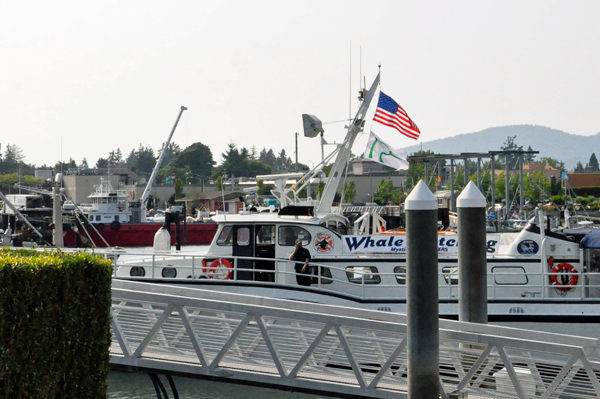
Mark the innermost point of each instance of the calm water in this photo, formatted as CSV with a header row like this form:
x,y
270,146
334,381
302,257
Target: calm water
x,y
139,386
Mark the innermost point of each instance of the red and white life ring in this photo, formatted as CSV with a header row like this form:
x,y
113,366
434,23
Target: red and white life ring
x,y
211,271
132,195
323,243
561,270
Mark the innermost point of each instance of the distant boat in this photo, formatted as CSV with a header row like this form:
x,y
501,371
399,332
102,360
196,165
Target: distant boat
x,y
111,215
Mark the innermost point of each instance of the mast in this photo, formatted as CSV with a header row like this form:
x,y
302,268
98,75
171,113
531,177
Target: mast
x,y
146,194
344,153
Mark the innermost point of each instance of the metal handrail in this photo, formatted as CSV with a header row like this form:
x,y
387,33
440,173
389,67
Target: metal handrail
x,y
335,349
447,290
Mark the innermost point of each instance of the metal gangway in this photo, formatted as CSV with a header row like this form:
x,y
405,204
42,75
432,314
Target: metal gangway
x,y
297,345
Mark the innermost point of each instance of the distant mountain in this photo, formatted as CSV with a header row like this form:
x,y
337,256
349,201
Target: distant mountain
x,y
553,143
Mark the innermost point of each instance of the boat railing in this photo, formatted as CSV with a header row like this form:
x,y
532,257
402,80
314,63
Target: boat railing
x,y
359,281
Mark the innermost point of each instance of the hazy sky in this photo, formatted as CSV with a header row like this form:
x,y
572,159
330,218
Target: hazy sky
x,y
96,76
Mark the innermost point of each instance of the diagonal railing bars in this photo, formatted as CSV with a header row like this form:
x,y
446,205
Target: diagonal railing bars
x,y
335,349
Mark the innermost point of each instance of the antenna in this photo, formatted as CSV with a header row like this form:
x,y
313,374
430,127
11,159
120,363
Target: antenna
x,y
360,70
350,84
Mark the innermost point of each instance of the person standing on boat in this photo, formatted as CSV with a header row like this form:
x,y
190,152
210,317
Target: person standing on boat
x,y
301,255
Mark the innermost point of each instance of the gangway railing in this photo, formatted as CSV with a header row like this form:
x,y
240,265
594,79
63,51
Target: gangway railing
x,y
335,349
527,282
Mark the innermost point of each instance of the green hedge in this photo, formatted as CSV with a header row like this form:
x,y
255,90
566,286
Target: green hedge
x,y
54,324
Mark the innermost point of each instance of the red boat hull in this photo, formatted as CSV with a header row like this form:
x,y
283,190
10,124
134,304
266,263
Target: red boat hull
x,y
140,235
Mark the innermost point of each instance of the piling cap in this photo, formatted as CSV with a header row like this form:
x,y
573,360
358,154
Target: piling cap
x,y
420,198
471,197
162,240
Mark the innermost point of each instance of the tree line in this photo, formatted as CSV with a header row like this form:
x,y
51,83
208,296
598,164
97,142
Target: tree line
x,y
194,164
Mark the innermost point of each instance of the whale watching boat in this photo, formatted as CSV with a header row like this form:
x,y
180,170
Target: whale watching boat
x,y
538,278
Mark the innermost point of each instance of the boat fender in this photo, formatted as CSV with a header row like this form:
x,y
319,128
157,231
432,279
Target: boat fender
x,y
218,263
115,225
100,226
558,271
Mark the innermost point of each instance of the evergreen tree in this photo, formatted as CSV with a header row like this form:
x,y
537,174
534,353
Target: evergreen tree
x,y
268,157
238,163
141,160
510,145
593,164
579,168
102,163
115,157
529,157
62,167
172,151
197,158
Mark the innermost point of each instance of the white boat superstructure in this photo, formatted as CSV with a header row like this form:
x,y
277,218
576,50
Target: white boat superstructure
x,y
534,276
537,278
107,205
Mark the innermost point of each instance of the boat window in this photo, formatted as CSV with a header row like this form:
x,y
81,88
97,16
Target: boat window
x,y
325,275
116,218
137,271
593,260
98,218
243,236
266,235
510,275
226,236
450,274
289,234
363,274
400,273
169,272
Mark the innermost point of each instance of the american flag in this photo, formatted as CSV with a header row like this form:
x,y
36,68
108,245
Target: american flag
x,y
389,113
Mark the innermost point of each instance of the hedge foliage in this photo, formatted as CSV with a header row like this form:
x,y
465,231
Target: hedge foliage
x,y
54,324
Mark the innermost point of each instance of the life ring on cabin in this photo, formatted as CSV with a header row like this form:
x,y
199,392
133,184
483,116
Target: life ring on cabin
x,y
100,226
564,271
115,225
132,195
323,242
216,264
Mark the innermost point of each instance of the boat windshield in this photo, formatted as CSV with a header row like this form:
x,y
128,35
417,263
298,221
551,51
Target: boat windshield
x,y
226,236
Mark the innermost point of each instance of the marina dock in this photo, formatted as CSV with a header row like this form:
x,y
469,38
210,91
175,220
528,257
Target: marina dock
x,y
337,350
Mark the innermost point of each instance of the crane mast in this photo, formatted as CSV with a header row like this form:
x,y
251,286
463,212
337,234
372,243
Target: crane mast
x,y
146,194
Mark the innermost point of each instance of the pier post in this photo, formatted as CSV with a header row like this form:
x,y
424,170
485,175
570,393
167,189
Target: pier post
x,y
57,213
177,231
422,294
472,260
